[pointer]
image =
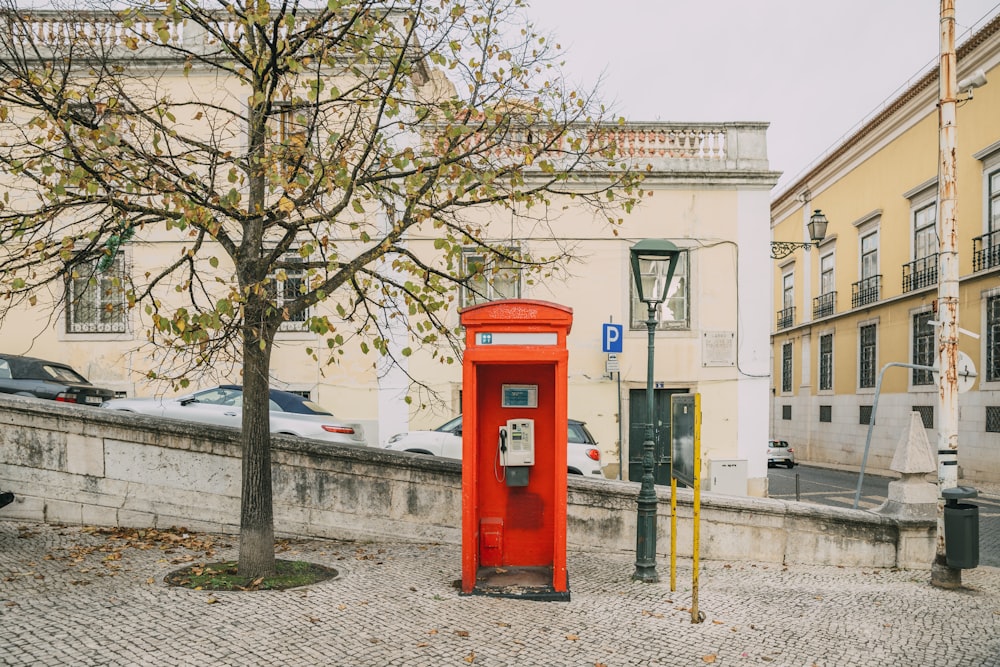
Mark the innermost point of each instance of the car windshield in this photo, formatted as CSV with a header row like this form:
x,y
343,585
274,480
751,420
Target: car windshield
x,y
451,426
779,443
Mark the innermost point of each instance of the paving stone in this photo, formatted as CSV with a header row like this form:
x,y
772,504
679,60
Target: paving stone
x,y
69,596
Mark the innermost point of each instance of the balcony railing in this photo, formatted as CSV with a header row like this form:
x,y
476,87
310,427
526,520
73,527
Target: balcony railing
x,y
866,291
986,251
786,317
824,304
920,273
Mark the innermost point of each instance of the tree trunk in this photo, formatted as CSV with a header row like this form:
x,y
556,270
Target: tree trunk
x,y
256,512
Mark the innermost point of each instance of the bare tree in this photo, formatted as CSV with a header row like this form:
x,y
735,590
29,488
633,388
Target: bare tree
x,y
292,148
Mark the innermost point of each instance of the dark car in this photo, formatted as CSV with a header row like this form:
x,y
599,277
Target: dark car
x,y
28,376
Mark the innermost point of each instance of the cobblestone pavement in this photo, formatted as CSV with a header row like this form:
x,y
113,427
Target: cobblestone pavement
x,y
78,596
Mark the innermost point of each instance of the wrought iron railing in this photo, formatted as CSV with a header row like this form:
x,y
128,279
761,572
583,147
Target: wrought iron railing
x,y
919,273
986,251
786,317
825,304
866,291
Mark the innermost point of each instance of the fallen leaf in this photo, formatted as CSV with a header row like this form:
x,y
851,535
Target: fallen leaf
x,y
471,658
432,632
572,638
422,644
212,600
718,622
503,625
708,658
462,633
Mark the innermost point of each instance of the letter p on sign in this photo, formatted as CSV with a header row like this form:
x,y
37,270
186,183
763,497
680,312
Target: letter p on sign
x,y
611,338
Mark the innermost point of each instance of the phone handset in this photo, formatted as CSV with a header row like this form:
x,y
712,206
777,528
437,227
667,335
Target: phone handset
x,y
500,461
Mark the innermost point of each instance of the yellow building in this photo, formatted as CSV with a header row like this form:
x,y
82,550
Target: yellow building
x,y
865,296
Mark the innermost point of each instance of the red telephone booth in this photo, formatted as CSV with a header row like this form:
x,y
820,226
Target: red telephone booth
x,y
514,439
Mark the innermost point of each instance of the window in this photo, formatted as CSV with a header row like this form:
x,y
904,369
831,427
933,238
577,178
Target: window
x,y
925,241
286,285
992,369
489,278
786,412
926,413
786,368
96,298
826,413
292,135
826,284
787,291
923,347
826,362
866,356
993,220
923,270
675,312
993,418
865,414
869,256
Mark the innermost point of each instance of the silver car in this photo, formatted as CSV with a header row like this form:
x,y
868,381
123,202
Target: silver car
x,y
779,452
291,414
583,457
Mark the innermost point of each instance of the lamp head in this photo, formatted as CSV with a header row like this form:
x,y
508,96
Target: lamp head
x,y
817,226
653,265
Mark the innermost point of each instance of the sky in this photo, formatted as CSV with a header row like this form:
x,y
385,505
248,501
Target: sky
x,y
813,69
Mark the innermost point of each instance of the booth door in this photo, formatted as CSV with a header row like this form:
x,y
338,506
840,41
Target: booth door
x,y
661,433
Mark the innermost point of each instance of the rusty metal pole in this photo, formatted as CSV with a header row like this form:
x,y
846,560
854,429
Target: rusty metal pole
x,y
947,345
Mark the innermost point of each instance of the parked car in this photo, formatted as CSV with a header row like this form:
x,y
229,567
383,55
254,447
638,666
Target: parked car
x,y
291,414
778,451
6,498
583,456
28,376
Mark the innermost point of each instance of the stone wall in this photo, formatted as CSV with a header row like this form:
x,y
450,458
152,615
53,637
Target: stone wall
x,y
80,465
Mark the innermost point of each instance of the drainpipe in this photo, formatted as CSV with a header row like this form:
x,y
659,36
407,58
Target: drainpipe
x,y
947,346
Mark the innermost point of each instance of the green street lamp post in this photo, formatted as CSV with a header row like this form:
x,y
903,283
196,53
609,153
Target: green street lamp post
x,y
653,264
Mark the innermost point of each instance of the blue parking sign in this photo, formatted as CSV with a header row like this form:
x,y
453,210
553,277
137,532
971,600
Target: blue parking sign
x,y
611,338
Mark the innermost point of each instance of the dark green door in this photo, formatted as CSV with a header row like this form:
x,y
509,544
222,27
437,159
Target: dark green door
x,y
661,433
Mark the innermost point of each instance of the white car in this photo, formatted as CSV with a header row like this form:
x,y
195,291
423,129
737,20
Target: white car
x,y
291,414
583,457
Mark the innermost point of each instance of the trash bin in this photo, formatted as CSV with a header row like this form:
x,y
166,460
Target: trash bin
x,y
961,528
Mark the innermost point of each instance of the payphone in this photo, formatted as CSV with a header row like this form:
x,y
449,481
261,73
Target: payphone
x,y
514,440
515,451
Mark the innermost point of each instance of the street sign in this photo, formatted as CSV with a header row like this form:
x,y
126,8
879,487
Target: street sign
x,y
611,337
612,366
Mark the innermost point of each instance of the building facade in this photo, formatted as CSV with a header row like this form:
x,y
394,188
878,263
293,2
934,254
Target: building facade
x,y
709,186
865,296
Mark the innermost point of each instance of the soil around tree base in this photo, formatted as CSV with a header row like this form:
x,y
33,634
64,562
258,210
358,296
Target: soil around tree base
x,y
223,576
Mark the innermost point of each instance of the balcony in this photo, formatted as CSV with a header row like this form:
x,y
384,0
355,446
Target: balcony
x,y
786,317
986,251
866,291
824,304
920,273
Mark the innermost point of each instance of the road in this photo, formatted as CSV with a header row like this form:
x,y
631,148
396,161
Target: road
x,y
837,487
